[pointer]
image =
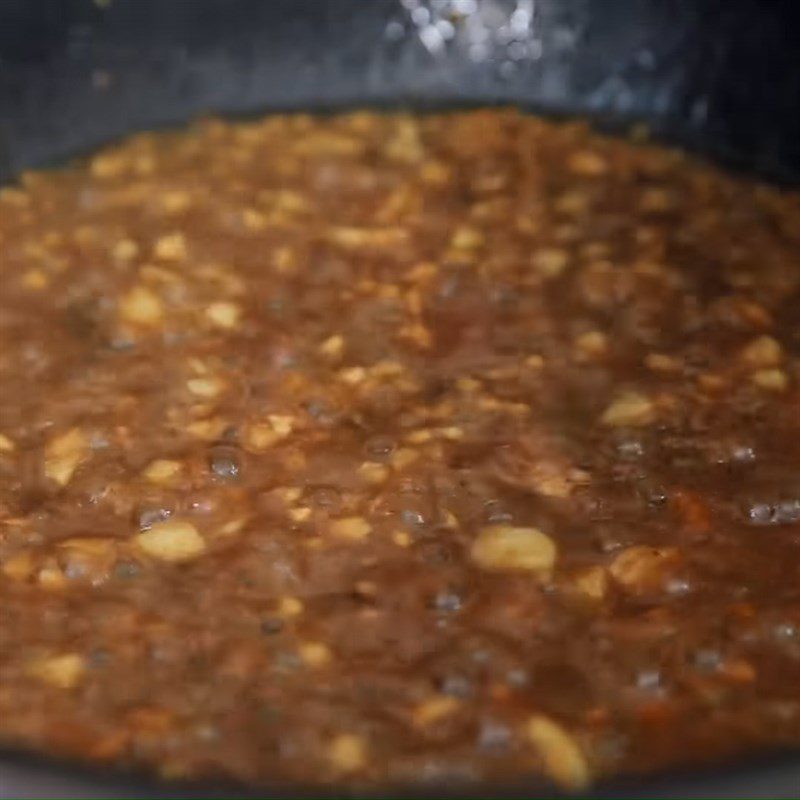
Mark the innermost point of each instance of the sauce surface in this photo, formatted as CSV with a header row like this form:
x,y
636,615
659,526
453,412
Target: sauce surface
x,y
390,449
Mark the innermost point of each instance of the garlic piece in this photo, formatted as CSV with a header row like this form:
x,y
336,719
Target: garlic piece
x,y
503,547
63,671
172,540
351,528
629,409
347,753
63,454
561,756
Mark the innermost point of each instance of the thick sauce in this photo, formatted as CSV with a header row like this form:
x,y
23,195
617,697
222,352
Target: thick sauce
x,y
395,449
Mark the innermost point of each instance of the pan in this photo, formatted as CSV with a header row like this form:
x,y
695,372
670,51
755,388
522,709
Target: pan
x,y
718,77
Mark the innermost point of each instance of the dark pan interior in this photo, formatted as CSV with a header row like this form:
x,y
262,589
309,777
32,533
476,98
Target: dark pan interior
x,y
720,77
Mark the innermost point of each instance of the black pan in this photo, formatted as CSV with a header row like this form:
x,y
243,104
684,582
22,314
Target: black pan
x,y
721,77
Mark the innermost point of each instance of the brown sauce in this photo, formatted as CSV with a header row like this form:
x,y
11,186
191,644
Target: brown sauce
x,y
396,449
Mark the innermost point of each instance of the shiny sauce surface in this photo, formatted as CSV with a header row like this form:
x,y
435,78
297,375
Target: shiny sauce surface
x,y
389,449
